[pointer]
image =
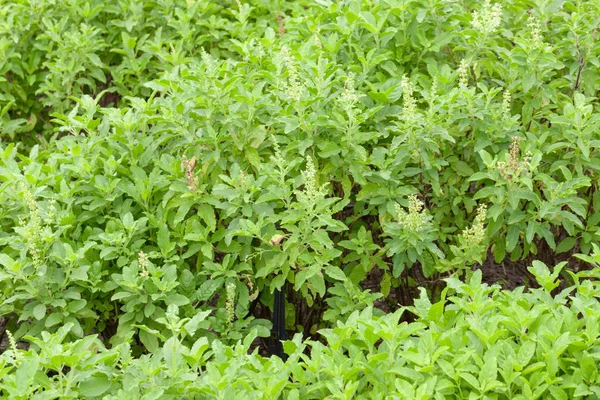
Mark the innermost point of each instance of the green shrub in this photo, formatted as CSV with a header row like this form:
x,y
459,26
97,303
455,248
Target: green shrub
x,y
477,342
54,50
166,165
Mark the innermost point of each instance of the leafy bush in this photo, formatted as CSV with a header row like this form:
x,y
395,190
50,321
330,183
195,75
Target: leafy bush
x,y
167,165
477,342
53,50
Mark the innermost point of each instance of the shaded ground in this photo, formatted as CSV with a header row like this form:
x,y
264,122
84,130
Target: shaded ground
x,y
508,274
3,338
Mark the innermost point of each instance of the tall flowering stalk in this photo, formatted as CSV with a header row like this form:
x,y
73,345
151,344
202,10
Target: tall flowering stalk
x,y
230,303
410,117
33,228
506,103
312,192
463,73
489,19
143,263
293,86
472,245
535,33
410,105
12,343
475,235
515,166
190,176
417,217
412,238
349,97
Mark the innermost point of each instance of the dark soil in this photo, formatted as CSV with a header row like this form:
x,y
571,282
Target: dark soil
x,y
3,338
508,274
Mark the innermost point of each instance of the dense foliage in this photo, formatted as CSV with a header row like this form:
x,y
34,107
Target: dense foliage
x,y
476,342
166,165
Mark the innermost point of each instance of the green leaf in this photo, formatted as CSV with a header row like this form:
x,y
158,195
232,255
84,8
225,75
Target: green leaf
x,y
486,158
386,284
330,149
566,245
530,233
528,81
470,379
192,325
149,340
120,295
335,273
39,311
6,261
554,6
462,168
94,386
76,305
208,288
53,319
149,309
181,213
177,299
526,352
128,221
155,86
500,250
187,283
512,237
252,156
488,372
207,214
163,239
